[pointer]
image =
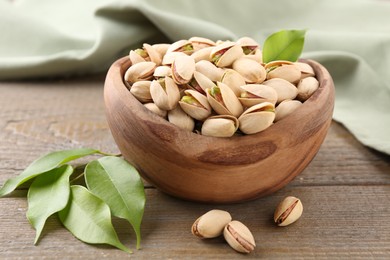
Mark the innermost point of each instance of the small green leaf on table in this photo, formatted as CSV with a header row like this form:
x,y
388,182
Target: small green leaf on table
x,y
88,218
48,194
119,185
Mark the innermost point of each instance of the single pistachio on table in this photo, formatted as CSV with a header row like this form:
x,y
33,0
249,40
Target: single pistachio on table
x,y
195,105
306,69
147,53
211,224
183,68
199,43
184,46
288,72
239,237
288,211
140,71
179,118
223,100
284,89
250,70
165,93
155,109
234,80
220,126
162,71
285,108
202,54
257,118
209,70
306,87
224,54
252,94
141,91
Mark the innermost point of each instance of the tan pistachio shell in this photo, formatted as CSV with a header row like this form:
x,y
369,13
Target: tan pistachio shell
x,y
284,89
288,72
183,68
197,112
232,52
248,41
277,63
233,80
231,105
258,93
153,54
178,45
220,126
155,109
250,70
170,57
209,70
306,88
239,237
256,119
306,69
199,43
162,71
140,71
211,224
203,81
165,97
161,48
288,211
141,91
202,54
285,108
135,57
179,118
257,56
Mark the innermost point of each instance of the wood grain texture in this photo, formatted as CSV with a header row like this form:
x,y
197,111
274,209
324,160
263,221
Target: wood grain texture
x,y
208,169
345,190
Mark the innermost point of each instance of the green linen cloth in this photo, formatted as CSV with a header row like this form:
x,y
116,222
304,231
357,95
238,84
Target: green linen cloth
x,y
350,37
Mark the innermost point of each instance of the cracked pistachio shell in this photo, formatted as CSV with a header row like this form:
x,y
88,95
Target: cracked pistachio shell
x,y
250,70
135,57
224,54
141,91
288,211
239,237
162,71
153,54
140,71
256,56
306,69
150,55
253,94
202,54
288,72
179,118
209,70
165,93
161,48
211,224
170,57
284,89
228,103
276,63
285,108
234,80
306,88
195,105
248,45
220,126
184,46
183,68
199,43
257,118
201,82
155,109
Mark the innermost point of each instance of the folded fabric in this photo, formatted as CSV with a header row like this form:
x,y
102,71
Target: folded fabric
x,y
351,38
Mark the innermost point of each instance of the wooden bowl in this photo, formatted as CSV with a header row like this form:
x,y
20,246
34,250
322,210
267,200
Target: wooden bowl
x,y
211,169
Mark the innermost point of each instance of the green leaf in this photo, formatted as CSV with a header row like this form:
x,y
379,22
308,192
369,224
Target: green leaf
x,y
88,218
44,164
284,45
118,184
48,194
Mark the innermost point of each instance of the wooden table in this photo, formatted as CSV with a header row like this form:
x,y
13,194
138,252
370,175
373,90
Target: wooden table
x,y
345,190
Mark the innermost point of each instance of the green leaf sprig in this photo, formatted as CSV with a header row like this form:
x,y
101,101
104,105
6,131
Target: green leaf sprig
x,y
114,187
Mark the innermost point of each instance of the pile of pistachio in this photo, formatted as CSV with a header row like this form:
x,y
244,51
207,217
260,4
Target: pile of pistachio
x,y
217,88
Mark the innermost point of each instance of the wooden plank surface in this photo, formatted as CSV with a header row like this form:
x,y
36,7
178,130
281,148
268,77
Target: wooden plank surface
x,y
345,190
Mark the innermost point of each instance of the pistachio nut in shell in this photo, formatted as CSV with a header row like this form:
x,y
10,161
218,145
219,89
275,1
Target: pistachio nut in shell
x,y
276,63
155,109
209,70
224,54
288,72
223,100
283,88
140,71
179,118
202,54
162,71
285,108
195,105
306,69
252,94
200,82
306,88
257,56
138,55
141,91
234,80
170,57
248,45
153,54
199,43
184,46
220,126
239,237
161,48
250,70
288,211
257,118
183,68
165,93
211,224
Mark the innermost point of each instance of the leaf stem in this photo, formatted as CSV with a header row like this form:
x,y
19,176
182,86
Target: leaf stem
x,y
77,177
110,154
